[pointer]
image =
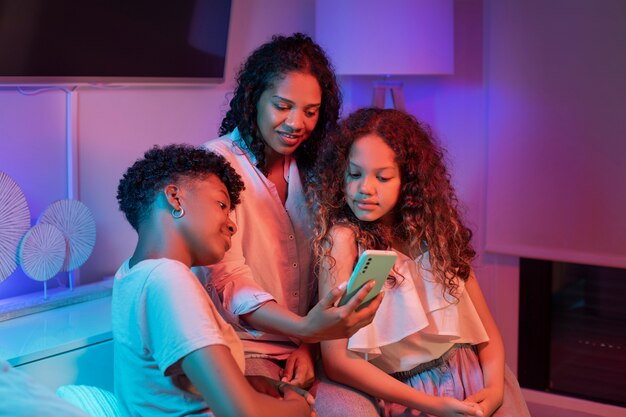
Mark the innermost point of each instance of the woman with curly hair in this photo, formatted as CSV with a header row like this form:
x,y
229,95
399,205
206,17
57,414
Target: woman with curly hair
x,y
286,100
174,354
433,347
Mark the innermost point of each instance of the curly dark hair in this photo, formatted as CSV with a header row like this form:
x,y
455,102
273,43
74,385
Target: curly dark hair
x,y
426,215
270,62
141,183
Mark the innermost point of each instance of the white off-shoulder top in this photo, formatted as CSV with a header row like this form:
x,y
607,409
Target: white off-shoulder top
x,y
417,320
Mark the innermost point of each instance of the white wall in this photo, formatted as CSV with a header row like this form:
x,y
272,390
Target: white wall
x,y
32,152
556,124
556,155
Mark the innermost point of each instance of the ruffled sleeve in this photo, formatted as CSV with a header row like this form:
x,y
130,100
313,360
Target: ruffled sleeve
x,y
418,303
455,317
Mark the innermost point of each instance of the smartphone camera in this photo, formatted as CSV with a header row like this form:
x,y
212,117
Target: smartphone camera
x,y
366,265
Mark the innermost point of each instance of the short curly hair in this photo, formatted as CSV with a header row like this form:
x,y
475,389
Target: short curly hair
x,y
141,183
268,63
426,215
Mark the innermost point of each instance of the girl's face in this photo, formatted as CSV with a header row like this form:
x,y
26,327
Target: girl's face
x,y
287,112
206,226
372,179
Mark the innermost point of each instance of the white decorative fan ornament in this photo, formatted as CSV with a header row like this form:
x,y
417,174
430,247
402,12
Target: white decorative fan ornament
x,y
78,226
42,252
14,222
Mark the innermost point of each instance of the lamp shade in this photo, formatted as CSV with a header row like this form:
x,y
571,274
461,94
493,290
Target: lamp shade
x,y
391,37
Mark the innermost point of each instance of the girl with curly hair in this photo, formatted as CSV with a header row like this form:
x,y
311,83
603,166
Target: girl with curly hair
x,y
174,354
286,100
433,347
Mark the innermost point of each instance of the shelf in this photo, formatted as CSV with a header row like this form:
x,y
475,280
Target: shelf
x,y
52,332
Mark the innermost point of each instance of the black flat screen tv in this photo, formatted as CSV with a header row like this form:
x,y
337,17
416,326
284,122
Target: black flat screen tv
x,y
74,42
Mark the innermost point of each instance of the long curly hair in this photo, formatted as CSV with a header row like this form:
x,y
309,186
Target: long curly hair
x,y
267,64
142,182
426,216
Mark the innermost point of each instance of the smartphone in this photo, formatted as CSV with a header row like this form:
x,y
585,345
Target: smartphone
x,y
373,264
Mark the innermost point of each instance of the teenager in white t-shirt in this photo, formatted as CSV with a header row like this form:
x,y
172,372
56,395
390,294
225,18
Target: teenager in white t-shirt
x,y
174,354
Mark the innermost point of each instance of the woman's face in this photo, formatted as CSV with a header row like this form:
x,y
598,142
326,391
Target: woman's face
x,y
372,179
287,112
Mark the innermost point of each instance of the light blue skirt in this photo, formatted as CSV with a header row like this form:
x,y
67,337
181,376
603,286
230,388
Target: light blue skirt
x,y
457,373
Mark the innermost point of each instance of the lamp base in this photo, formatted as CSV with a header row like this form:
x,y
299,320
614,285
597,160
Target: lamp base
x,y
380,94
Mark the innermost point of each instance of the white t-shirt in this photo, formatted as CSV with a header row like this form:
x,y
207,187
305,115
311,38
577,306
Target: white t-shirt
x,y
160,314
270,255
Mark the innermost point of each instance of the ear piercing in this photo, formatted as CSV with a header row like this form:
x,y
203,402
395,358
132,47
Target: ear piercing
x,y
177,214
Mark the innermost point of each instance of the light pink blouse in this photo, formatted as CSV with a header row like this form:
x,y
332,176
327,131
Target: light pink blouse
x,y
270,257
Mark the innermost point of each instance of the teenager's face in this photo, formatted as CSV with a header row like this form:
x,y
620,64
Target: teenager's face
x,y
372,179
287,112
207,227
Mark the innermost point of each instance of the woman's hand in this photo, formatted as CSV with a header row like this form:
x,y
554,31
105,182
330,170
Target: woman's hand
x,y
489,399
300,367
327,322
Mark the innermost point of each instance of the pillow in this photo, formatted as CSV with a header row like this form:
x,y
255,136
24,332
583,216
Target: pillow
x,y
97,402
21,396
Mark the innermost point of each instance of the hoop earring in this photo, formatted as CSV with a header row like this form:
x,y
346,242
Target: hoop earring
x,y
177,214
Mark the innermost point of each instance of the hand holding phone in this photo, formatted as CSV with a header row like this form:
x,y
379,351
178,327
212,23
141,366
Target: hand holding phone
x,y
335,318
372,265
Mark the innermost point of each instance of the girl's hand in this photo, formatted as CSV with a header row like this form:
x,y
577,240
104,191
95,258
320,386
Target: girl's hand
x,y
327,322
299,368
451,407
489,399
